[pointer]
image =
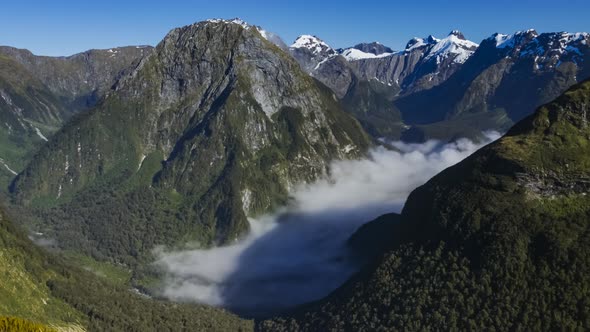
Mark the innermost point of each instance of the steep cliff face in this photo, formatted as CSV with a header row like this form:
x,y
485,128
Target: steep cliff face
x,y
498,241
216,123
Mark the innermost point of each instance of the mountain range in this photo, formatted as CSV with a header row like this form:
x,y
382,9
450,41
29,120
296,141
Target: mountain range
x,y
499,240
477,87
109,154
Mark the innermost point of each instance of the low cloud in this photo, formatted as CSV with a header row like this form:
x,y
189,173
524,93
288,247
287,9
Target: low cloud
x,y
299,254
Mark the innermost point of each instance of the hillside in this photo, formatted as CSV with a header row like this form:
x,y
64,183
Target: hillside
x,y
499,241
204,132
39,287
39,94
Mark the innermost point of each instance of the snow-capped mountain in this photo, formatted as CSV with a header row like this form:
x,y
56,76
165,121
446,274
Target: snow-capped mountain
x,y
455,46
505,79
511,73
310,51
315,45
547,50
353,54
424,63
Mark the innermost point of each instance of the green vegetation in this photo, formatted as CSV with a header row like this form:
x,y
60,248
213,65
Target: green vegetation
x,y
39,287
169,160
25,104
116,274
14,324
501,241
37,94
371,102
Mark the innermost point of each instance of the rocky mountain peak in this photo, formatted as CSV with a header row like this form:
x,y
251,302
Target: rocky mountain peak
x,y
457,34
515,40
454,45
375,48
313,44
311,52
548,51
416,42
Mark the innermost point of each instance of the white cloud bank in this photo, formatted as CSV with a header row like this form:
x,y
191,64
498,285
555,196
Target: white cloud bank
x,y
300,254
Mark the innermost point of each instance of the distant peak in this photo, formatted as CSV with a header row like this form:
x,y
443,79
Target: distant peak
x,y
314,44
511,41
421,42
308,39
532,33
375,48
457,34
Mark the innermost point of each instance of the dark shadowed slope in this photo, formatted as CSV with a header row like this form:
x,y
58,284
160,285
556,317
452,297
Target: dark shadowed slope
x,y
499,241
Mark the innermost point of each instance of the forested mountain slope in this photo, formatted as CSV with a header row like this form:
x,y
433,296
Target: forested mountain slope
x,y
499,241
38,94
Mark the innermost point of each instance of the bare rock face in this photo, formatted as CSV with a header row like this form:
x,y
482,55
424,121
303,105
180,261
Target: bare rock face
x,y
217,121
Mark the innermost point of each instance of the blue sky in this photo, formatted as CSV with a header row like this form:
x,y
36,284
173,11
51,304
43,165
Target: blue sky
x,y
61,27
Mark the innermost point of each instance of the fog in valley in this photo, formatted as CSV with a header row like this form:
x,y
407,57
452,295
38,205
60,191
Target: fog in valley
x,y
299,254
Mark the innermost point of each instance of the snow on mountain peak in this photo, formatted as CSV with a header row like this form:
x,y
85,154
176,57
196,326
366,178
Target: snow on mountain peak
x,y
555,46
312,43
417,42
271,37
503,41
353,54
457,34
454,44
510,41
236,20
